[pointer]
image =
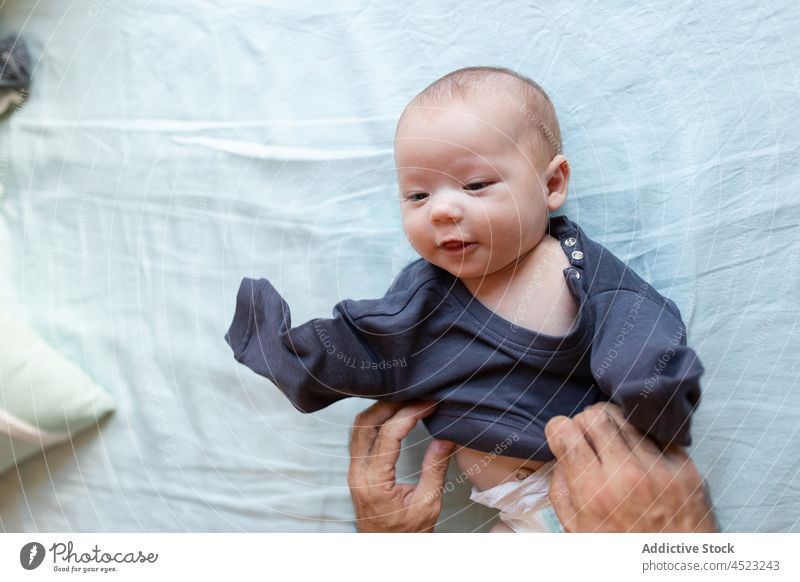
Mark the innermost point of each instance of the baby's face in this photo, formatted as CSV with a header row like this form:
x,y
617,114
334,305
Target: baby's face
x,y
467,176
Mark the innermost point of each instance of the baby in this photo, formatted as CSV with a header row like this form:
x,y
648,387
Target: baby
x,y
511,316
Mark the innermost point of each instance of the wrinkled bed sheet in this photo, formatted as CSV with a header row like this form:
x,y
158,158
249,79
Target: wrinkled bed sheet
x,y
168,150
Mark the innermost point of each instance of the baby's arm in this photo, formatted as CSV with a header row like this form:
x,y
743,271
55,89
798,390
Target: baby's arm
x,y
640,360
314,364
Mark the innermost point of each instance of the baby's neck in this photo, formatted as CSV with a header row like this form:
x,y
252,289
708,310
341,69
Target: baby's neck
x,y
532,293
496,284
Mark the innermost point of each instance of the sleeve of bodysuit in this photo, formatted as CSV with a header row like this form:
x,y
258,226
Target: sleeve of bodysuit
x,y
641,362
314,364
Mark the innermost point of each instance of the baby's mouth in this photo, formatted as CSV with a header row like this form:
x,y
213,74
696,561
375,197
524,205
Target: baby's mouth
x,y
456,247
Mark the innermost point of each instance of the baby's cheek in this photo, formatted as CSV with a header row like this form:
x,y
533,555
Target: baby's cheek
x,y
504,231
411,230
422,245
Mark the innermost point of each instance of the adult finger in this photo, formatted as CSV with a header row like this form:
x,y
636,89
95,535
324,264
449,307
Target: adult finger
x,y
605,434
365,427
566,440
676,456
641,445
434,470
385,451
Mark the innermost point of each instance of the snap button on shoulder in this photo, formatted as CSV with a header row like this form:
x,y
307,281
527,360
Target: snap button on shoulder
x,y
577,255
570,242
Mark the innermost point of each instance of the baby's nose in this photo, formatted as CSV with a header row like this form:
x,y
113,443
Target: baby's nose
x,y
446,211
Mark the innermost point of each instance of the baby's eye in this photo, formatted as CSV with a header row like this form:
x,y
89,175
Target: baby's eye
x,y
477,186
417,196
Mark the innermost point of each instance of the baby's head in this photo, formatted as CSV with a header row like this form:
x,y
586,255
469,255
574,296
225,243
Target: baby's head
x,y
479,161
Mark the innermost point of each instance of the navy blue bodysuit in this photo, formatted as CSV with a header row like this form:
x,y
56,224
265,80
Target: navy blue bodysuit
x,y
496,384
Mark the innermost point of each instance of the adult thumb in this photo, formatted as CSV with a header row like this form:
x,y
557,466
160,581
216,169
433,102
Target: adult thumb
x,y
434,470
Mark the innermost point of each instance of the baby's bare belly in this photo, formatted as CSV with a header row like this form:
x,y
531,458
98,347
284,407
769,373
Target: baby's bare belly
x,y
486,471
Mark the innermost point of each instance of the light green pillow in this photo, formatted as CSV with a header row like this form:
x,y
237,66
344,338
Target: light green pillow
x,y
44,399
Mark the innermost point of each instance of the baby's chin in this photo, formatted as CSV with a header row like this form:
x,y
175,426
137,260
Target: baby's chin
x,y
465,270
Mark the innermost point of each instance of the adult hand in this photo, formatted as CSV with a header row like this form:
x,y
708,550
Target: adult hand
x,y
609,477
381,504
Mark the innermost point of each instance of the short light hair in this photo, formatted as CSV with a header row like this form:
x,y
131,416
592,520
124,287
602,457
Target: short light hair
x,y
524,93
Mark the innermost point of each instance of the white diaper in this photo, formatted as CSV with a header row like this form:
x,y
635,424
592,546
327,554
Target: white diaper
x,y
523,505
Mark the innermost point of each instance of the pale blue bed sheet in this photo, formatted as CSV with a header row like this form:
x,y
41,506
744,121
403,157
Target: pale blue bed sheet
x,y
169,149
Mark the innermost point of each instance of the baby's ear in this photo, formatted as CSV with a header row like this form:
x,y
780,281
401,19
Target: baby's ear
x,y
557,182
